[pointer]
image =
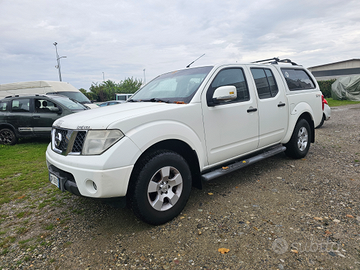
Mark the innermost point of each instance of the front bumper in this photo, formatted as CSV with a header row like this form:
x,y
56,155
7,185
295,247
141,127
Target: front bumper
x,y
93,176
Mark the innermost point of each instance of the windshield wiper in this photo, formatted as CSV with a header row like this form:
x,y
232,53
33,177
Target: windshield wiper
x,y
155,100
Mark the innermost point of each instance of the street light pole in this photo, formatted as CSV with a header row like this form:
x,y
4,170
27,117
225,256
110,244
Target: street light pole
x,y
58,61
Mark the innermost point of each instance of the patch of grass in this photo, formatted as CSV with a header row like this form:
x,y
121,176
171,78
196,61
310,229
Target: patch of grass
x,y
24,171
67,244
64,221
50,201
5,243
22,244
23,214
49,227
335,103
77,211
22,230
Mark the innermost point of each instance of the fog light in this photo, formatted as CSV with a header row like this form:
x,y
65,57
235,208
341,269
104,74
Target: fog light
x,y
91,186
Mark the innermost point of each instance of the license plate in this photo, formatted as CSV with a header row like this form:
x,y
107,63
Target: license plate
x,y
54,180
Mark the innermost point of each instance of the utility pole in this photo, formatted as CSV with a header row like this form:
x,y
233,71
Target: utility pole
x,y
58,60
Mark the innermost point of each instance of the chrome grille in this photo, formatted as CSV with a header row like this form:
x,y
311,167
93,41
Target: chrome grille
x,y
65,142
79,141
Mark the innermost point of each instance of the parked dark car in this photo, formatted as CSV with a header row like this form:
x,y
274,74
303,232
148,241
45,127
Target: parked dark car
x,y
32,116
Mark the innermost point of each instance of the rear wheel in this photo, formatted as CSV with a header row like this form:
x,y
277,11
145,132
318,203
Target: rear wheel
x,y
161,188
299,144
7,136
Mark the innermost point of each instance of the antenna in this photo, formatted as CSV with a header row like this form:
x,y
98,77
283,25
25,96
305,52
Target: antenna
x,y
194,61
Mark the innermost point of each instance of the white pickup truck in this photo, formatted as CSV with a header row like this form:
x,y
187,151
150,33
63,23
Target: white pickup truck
x,y
182,128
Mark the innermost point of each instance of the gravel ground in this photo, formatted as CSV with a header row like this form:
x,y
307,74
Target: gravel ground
x,y
277,214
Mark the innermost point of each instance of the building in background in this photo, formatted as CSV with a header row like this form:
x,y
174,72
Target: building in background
x,y
336,70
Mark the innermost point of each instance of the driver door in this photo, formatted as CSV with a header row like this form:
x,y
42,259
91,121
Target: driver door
x,y
45,113
231,128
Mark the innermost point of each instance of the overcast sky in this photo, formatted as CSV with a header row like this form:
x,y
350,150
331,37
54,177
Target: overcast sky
x,y
116,39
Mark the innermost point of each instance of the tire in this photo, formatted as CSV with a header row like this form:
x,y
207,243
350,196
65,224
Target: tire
x,y
299,144
322,122
161,187
7,136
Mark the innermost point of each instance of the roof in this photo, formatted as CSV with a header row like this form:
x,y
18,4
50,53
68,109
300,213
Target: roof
x,y
37,84
340,62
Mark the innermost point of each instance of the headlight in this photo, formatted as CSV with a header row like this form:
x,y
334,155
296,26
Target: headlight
x,y
98,141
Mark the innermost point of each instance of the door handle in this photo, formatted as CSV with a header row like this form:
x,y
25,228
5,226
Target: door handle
x,y
36,117
250,110
281,104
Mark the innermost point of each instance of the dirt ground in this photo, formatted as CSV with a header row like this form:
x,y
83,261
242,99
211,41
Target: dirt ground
x,y
277,214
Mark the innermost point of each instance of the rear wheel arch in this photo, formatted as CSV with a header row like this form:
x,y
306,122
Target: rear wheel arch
x,y
302,135
309,119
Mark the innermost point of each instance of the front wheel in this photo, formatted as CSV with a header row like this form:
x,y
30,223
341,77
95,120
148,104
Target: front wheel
x,y
161,187
7,136
299,144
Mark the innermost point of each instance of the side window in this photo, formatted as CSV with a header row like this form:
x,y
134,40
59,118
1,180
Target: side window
x,y
297,79
230,76
265,82
20,105
3,106
44,106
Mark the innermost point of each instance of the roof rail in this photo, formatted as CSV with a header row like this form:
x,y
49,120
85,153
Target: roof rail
x,y
275,60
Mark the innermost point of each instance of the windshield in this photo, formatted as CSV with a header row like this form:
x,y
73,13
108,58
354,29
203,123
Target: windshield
x,y
177,86
70,104
78,96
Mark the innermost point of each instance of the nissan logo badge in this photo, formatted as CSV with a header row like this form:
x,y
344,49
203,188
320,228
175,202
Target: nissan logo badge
x,y
58,139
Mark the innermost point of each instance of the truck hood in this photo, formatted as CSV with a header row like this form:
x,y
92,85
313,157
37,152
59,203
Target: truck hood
x,y
116,116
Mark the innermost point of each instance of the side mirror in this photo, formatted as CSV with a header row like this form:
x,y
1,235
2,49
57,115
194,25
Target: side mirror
x,y
57,110
224,93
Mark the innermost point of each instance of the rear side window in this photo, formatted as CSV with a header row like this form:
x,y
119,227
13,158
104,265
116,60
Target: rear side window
x,y
230,76
20,105
265,82
297,79
3,106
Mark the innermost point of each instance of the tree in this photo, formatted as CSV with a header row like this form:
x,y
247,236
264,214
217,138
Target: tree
x,y
106,90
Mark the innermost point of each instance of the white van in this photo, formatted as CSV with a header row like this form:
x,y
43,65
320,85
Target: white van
x,y
44,87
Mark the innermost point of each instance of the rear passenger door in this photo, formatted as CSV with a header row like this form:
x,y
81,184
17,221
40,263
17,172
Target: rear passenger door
x,y
20,116
272,105
231,128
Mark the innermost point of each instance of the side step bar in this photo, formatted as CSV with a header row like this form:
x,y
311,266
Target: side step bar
x,y
243,163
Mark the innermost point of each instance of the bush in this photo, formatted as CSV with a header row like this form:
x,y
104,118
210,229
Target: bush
x,y
325,87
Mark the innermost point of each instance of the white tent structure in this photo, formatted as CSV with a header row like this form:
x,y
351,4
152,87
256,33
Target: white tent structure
x,y
346,88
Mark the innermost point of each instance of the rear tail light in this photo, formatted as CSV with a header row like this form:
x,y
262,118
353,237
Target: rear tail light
x,y
323,101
